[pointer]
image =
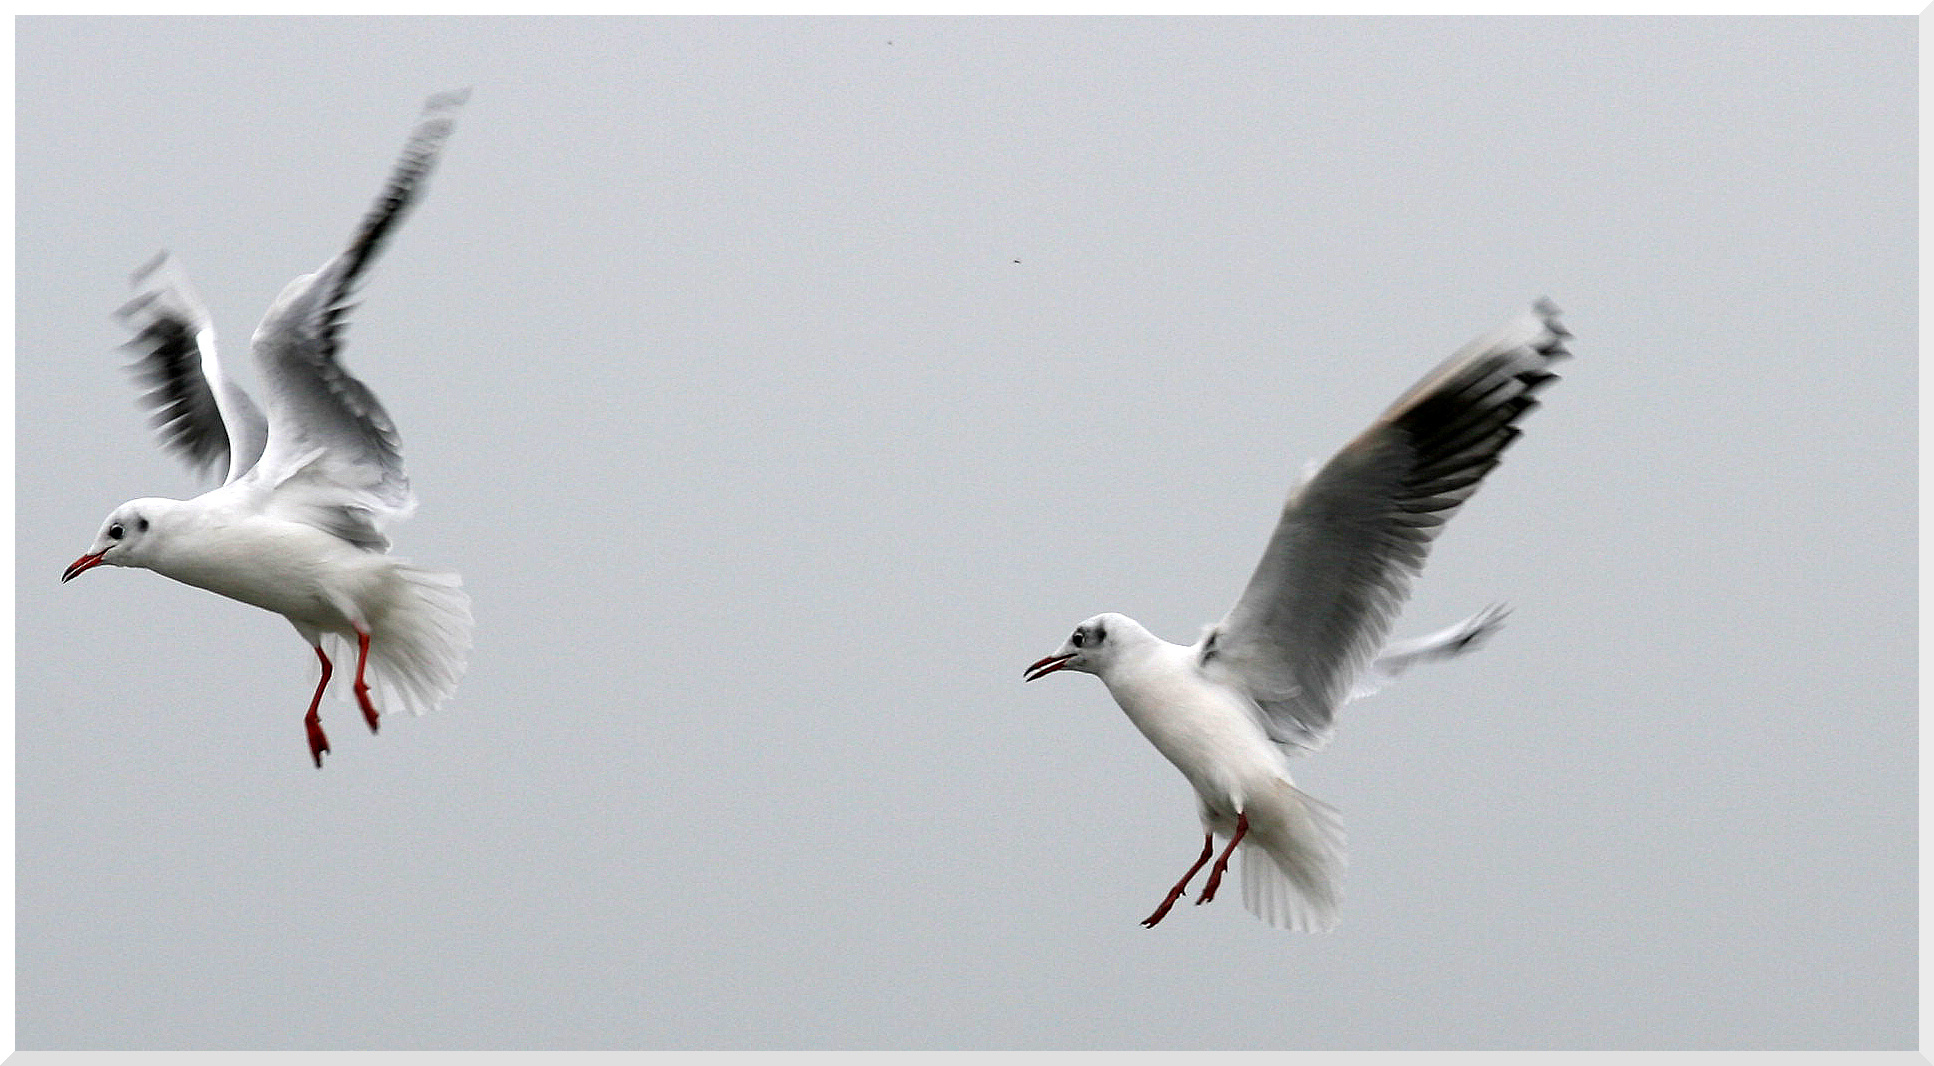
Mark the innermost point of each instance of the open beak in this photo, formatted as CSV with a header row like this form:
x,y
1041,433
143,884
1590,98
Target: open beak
x,y
81,566
1047,666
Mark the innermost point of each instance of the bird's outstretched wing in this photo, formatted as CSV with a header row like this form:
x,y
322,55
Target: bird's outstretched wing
x,y
333,456
1447,643
202,415
1351,537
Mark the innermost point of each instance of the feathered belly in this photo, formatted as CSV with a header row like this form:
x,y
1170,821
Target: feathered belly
x,y
290,569
1207,734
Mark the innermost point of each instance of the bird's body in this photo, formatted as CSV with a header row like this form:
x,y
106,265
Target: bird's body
x,y
314,478
1308,634
214,542
1204,727
325,586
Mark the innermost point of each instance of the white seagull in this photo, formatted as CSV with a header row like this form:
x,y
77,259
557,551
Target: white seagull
x,y
313,479
1305,637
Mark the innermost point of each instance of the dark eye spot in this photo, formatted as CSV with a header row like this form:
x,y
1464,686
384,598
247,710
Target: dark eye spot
x,y
1078,639
115,532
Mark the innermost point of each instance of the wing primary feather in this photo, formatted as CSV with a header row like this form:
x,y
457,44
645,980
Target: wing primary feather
x,y
405,183
199,414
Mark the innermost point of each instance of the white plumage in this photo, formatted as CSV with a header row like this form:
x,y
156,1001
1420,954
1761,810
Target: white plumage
x,y
314,477
1308,633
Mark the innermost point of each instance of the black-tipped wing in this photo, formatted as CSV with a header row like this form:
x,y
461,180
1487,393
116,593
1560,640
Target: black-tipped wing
x,y
201,415
1352,536
323,423
1448,643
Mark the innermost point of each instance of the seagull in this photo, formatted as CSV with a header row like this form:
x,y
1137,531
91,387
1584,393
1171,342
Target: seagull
x,y
314,475
1308,633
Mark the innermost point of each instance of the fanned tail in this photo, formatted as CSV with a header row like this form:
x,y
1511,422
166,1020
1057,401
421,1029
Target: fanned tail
x,y
418,646
1292,861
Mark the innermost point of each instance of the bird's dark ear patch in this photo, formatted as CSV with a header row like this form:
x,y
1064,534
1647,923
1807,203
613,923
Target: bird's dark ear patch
x,y
142,524
1101,633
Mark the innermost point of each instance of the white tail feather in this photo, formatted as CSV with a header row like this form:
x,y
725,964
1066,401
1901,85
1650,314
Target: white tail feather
x,y
419,642
1292,861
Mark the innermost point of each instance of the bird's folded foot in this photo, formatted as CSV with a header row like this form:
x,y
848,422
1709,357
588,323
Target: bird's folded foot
x,y
1208,890
1215,875
369,709
362,687
1181,887
1161,912
318,743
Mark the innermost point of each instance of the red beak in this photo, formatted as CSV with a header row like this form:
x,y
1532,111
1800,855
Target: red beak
x,y
1047,666
81,566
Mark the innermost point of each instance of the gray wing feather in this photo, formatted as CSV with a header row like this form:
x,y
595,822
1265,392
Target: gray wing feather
x,y
201,415
1351,537
1400,655
314,404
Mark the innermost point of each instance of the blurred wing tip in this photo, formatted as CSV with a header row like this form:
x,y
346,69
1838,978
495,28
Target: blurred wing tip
x,y
447,100
1484,624
135,305
146,269
1548,316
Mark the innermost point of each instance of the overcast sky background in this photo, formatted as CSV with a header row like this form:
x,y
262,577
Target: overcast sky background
x,y
782,388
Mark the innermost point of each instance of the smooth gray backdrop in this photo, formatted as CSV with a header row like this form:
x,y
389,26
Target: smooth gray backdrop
x,y
782,387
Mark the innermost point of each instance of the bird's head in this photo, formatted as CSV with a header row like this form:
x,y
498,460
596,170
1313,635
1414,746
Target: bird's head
x,y
126,538
1092,647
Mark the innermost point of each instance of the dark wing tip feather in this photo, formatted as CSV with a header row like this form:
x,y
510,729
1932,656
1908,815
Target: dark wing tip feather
x,y
1483,625
405,184
450,99
147,269
136,305
181,406
1460,428
169,327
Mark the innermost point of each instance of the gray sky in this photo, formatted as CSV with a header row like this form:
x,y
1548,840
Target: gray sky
x,y
769,467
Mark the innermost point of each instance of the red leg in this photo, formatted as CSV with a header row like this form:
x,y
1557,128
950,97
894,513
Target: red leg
x,y
1208,845
362,690
1221,864
317,742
